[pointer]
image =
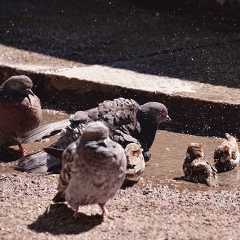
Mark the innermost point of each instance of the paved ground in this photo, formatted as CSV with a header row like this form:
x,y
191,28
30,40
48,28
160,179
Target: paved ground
x,y
81,52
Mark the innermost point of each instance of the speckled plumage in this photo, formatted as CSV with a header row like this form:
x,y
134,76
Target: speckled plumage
x,y
135,161
93,169
197,169
226,155
20,110
127,120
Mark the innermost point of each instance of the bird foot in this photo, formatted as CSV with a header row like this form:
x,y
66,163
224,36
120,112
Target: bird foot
x,y
75,215
106,213
22,151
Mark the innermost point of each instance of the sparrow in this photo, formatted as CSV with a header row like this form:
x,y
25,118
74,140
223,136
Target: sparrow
x,y
135,161
226,155
197,169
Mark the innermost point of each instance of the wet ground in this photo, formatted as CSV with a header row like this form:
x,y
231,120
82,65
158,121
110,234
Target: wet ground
x,y
169,151
165,166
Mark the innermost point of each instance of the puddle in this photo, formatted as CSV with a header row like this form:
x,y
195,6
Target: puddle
x,y
165,166
168,153
49,116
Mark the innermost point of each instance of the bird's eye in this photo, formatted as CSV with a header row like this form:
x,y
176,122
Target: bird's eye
x,y
17,85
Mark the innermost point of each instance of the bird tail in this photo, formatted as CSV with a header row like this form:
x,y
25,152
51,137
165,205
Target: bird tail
x,y
231,139
58,198
44,131
39,162
210,174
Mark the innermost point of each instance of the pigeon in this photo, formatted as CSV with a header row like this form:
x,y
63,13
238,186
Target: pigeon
x,y
20,110
93,169
127,121
226,155
197,169
135,161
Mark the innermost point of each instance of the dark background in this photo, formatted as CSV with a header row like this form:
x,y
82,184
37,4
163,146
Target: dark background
x,y
193,40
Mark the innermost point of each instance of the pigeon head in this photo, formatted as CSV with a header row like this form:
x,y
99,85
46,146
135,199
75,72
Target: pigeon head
x,y
149,116
95,131
154,112
18,85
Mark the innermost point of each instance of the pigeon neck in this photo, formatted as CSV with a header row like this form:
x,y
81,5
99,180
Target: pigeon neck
x,y
146,118
148,125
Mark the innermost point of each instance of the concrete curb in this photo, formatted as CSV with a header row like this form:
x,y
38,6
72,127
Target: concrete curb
x,y
195,108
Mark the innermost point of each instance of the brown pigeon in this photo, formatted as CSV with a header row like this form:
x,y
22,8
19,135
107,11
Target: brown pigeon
x,y
197,169
128,122
20,110
226,155
93,169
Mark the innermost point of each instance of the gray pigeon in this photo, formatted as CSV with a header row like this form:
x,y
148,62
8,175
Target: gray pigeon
x,y
127,120
20,110
226,155
93,169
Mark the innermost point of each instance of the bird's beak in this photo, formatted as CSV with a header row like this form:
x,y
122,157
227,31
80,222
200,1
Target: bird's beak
x,y
105,144
168,119
29,91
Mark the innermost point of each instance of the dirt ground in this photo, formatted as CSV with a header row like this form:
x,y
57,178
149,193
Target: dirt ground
x,y
199,46
145,211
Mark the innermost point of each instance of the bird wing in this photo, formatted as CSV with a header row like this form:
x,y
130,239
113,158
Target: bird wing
x,y
44,131
66,172
119,113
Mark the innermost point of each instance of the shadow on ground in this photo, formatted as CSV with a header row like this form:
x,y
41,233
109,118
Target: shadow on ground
x,y
57,219
9,153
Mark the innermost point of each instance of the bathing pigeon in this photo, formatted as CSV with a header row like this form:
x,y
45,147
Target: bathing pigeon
x,y
127,120
93,169
20,110
226,155
197,169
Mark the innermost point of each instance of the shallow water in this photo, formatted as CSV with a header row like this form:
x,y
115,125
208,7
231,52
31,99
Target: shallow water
x,y
168,153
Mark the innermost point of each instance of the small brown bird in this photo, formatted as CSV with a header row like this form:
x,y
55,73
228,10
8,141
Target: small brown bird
x,y
226,155
93,169
197,169
135,161
20,110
